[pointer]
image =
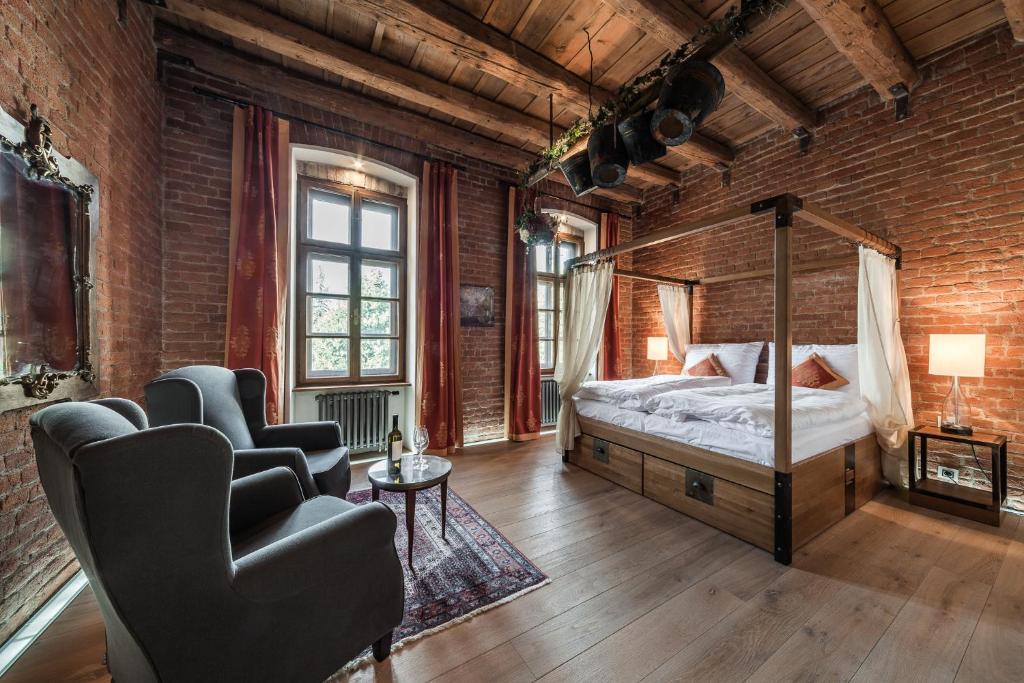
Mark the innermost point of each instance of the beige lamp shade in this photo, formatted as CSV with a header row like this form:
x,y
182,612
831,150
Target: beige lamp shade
x,y
956,355
657,348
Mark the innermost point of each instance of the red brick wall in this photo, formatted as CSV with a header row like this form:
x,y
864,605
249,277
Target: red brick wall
x,y
94,80
196,167
947,185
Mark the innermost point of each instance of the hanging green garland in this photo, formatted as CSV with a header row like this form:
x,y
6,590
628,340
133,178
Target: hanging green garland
x,y
635,91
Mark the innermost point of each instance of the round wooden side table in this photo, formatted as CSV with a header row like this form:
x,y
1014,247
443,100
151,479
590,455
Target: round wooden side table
x,y
411,480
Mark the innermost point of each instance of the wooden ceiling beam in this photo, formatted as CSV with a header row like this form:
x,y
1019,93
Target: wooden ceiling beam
x,y
862,33
672,24
1015,15
261,76
483,47
254,25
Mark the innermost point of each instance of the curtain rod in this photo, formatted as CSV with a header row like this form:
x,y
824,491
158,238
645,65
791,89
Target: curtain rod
x,y
246,104
288,117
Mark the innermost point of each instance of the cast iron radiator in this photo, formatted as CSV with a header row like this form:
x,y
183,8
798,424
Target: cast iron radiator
x,y
364,417
550,404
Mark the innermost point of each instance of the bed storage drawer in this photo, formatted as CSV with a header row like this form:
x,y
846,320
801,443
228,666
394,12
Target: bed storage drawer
x,y
619,464
735,509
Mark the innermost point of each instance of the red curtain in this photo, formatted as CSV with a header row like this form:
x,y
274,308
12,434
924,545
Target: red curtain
x,y
522,361
254,297
611,346
438,371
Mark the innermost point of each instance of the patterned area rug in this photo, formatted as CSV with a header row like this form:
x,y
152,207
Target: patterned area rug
x,y
472,569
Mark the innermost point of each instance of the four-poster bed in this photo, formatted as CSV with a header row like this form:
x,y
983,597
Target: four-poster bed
x,y
778,507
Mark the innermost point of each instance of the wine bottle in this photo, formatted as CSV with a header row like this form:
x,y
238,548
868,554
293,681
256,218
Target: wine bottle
x,y
395,447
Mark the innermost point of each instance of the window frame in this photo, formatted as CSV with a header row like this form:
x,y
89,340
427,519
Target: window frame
x,y
356,254
558,281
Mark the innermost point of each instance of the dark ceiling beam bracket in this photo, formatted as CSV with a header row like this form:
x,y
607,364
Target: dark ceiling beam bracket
x,y
803,136
901,96
726,172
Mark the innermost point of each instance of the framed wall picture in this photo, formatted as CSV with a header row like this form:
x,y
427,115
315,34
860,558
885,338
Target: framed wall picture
x,y
476,306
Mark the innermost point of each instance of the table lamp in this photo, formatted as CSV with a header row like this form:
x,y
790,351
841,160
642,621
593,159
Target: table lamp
x,y
956,356
657,350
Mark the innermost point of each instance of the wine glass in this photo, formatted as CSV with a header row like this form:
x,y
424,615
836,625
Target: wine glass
x,y
420,440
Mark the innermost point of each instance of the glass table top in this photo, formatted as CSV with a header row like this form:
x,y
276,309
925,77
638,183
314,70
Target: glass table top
x,y
436,471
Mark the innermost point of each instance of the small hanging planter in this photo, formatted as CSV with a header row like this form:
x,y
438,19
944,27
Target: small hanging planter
x,y
691,91
576,170
535,227
641,146
608,157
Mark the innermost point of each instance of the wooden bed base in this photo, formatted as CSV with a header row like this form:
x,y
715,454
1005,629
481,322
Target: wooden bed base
x,y
734,495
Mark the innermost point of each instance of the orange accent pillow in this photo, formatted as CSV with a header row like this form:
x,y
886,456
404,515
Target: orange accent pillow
x,y
709,367
815,373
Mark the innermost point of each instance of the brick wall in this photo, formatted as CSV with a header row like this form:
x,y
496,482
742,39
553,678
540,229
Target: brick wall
x,y
94,80
947,185
196,167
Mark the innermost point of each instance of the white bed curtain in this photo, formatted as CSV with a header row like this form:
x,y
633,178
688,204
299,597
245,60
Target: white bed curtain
x,y
675,309
588,291
881,358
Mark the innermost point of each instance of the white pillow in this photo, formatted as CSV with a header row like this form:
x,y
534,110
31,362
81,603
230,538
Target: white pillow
x,y
842,358
738,360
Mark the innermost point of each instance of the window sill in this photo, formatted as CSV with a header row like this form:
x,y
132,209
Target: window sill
x,y
353,387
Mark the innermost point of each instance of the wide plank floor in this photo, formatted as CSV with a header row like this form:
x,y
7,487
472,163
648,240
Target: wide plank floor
x,y
640,592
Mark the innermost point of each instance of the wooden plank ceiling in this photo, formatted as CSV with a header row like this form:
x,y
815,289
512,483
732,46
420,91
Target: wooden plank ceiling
x,y
499,59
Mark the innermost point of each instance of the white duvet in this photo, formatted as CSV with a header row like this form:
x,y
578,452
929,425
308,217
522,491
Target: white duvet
x,y
751,407
634,394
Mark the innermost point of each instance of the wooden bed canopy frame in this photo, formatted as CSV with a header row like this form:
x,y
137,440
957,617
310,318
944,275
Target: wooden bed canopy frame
x,y
778,508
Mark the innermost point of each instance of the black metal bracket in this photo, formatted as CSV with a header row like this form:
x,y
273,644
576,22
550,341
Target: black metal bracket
x,y
784,517
850,476
901,96
726,172
787,203
803,136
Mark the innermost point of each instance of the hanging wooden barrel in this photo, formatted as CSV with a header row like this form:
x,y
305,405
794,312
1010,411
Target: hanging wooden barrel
x,y
608,157
641,146
691,91
576,170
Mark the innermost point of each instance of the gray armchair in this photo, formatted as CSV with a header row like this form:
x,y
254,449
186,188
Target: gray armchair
x,y
287,590
234,403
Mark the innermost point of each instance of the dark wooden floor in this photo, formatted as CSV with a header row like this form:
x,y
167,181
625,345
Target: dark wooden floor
x,y
640,592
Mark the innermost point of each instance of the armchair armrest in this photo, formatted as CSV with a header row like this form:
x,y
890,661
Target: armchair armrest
x,y
309,436
349,545
129,410
258,496
252,460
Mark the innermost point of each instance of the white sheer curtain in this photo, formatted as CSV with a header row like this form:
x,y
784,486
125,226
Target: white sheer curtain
x,y
881,358
588,290
675,309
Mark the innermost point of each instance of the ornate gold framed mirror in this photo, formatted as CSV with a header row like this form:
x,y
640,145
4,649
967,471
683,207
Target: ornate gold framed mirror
x,y
47,214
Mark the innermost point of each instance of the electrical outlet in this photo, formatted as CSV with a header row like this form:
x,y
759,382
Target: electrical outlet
x,y
949,474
